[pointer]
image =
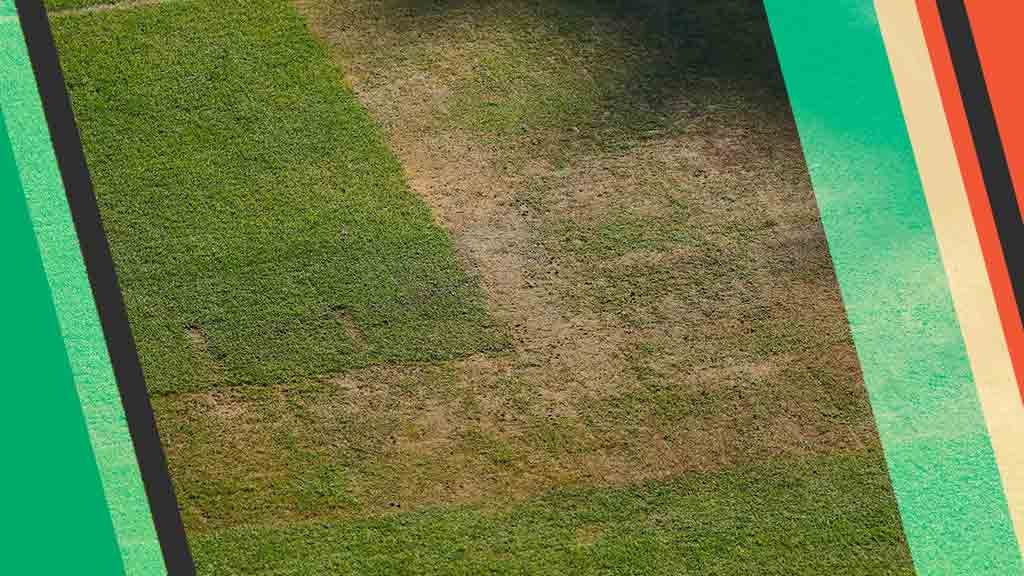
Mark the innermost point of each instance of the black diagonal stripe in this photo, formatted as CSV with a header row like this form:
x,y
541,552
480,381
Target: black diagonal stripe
x,y
987,143
109,304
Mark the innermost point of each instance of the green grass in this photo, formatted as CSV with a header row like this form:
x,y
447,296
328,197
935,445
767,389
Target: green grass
x,y
817,516
55,5
417,437
526,80
261,228
265,235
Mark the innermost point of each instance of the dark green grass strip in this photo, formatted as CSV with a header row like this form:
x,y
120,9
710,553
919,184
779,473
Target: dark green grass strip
x,y
262,229
817,516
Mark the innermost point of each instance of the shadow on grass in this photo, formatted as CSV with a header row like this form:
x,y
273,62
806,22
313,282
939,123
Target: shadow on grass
x,y
655,61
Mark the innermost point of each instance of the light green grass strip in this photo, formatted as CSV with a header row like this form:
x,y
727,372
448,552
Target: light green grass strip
x,y
894,286
76,311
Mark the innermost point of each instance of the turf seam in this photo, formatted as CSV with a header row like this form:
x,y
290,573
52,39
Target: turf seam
x,y
112,6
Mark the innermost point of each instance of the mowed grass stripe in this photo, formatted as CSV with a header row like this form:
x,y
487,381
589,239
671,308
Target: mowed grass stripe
x,y
262,230
817,516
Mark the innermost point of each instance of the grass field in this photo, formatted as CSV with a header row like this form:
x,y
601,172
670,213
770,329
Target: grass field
x,y
480,287
262,229
778,519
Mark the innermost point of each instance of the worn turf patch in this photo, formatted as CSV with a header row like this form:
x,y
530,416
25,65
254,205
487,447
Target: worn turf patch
x,y
624,182
627,182
818,516
490,430
257,219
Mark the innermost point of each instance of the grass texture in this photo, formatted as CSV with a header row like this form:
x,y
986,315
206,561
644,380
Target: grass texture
x,y
261,229
695,407
791,519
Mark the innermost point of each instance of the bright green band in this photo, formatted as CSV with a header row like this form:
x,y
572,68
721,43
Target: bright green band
x,y
52,495
83,343
894,287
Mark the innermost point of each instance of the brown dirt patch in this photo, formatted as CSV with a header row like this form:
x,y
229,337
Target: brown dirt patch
x,y
671,300
351,329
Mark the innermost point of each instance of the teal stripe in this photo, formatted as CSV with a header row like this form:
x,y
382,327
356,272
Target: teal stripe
x,y
894,287
75,308
55,515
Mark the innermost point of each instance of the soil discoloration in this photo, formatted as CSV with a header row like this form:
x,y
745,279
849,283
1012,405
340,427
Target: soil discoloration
x,y
351,329
664,277
497,430
197,338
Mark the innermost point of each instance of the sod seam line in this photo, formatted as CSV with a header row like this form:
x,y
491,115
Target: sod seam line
x,y
130,4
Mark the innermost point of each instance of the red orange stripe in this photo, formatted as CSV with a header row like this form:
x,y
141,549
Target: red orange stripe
x,y
963,142
1000,44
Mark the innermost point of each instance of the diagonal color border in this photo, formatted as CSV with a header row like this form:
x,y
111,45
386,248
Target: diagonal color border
x,y
977,103
946,184
87,300
52,494
68,284
895,287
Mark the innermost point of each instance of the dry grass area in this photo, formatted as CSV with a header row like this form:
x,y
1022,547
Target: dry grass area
x,y
479,287
625,182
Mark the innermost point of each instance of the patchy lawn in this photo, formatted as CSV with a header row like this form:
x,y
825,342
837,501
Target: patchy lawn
x,y
818,516
262,230
626,181
519,286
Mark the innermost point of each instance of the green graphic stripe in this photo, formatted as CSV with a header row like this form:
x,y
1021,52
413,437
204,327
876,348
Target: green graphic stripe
x,y
894,287
75,308
57,518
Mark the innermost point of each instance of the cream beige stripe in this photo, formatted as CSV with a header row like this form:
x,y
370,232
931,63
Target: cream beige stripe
x,y
958,244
